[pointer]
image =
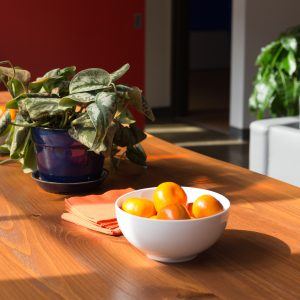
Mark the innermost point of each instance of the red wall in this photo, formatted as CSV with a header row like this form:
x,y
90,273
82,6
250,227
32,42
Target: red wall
x,y
42,35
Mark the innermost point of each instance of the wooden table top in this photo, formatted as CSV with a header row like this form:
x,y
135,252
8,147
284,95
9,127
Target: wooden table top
x,y
258,257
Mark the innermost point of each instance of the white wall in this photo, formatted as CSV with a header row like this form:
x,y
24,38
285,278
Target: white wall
x,y
254,24
158,53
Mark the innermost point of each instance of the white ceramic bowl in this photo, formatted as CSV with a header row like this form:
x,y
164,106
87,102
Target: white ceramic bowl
x,y
172,240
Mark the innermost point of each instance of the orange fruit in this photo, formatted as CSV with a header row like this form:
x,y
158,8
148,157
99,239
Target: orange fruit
x,y
154,217
173,212
139,207
205,206
168,193
189,208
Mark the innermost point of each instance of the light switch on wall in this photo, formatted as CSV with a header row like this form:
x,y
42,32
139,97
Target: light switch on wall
x,y
137,21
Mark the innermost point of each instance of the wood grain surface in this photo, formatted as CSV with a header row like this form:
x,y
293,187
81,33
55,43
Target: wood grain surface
x,y
258,257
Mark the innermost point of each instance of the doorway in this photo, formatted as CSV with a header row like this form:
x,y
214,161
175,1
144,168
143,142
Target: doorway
x,y
201,54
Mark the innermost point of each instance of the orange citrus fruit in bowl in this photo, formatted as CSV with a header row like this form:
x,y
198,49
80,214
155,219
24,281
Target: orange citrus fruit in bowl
x,y
168,193
189,208
153,217
205,206
173,212
139,207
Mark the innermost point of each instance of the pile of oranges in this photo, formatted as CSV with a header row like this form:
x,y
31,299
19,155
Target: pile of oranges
x,y
170,203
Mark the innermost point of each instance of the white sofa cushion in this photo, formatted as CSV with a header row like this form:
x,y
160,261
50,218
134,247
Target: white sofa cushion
x,y
259,142
284,154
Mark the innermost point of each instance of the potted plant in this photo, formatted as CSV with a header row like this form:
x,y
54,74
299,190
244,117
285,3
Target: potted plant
x,y
67,122
276,86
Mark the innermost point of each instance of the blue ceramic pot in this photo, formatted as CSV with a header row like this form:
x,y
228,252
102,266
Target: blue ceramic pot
x,y
62,159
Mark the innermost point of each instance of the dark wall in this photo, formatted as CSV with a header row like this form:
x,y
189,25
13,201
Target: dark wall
x,y
210,15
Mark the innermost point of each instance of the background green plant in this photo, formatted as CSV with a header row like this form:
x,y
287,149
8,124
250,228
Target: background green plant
x,y
90,104
276,86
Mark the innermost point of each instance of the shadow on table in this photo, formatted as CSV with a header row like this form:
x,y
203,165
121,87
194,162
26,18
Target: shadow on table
x,y
246,262
242,249
248,256
220,177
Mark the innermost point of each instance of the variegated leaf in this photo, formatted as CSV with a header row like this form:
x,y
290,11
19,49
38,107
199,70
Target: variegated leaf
x,y
83,130
29,158
146,109
135,96
108,140
19,74
89,80
5,120
72,99
38,108
136,154
101,114
21,136
119,73
128,135
16,88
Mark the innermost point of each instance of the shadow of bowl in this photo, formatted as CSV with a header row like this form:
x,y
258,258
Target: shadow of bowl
x,y
240,249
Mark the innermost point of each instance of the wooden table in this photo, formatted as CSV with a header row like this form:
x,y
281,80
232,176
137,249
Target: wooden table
x,y
258,257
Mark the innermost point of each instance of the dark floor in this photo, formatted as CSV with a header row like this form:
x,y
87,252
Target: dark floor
x,y
202,140
209,89
205,129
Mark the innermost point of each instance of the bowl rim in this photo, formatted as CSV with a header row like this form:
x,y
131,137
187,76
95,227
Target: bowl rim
x,y
225,210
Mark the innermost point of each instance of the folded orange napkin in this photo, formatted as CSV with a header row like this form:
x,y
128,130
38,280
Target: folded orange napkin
x,y
95,212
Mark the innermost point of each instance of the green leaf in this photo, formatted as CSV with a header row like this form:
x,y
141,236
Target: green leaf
x,y
4,149
289,63
83,130
119,73
38,108
67,72
263,93
128,135
101,114
21,136
16,88
52,83
146,109
36,86
89,80
51,73
13,104
29,158
19,74
135,96
125,118
267,54
8,140
138,101
79,98
289,43
136,154
91,129
5,120
108,140
122,88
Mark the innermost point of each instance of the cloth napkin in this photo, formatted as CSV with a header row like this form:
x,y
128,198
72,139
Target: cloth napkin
x,y
95,212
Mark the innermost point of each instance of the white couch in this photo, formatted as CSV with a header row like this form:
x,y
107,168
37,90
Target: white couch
x,y
275,148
